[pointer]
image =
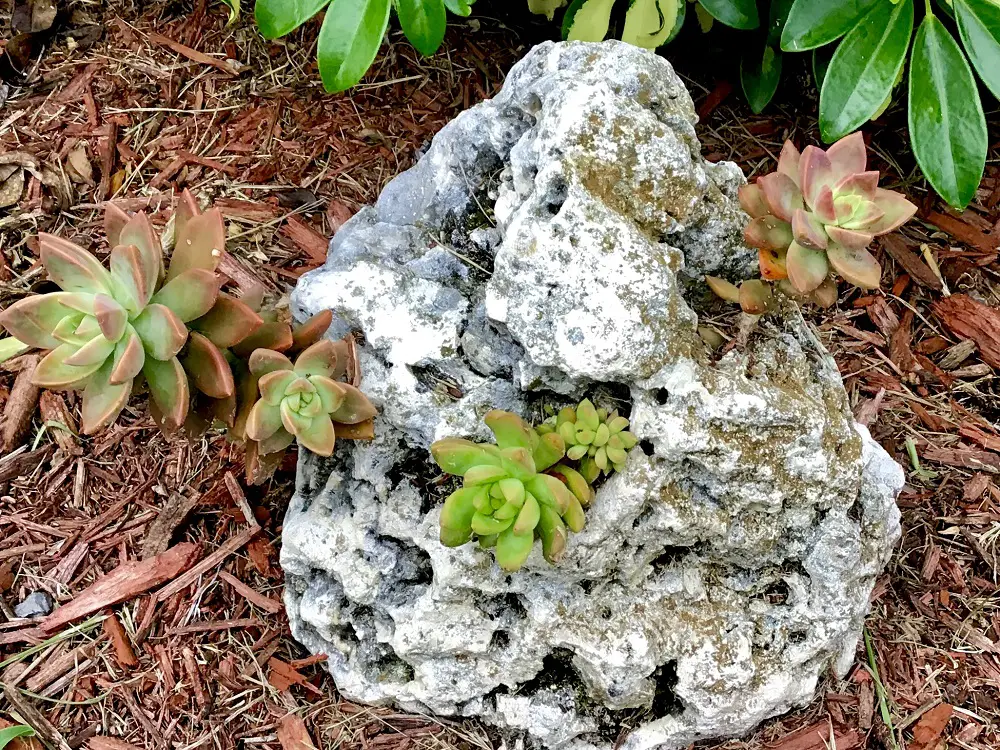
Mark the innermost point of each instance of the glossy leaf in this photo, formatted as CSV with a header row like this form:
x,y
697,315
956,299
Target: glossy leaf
x,y
350,38
513,549
168,386
139,232
9,734
864,69
587,20
739,14
275,18
311,331
71,267
162,332
423,22
11,347
760,74
459,7
55,374
274,336
813,23
649,23
228,322
129,358
190,294
821,57
201,241
947,125
103,401
33,319
979,27
207,368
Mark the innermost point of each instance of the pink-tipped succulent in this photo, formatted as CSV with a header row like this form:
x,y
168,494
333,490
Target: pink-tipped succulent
x,y
109,326
303,401
819,212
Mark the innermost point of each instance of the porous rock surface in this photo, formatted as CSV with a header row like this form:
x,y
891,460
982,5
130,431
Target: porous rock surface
x,y
548,247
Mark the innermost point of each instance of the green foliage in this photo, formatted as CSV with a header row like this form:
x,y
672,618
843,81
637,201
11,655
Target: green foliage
x,y
303,401
947,125
813,217
171,330
10,734
595,438
353,30
523,488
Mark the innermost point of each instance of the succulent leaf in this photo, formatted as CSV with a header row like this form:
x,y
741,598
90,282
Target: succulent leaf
x,y
752,201
200,243
896,211
274,336
103,400
510,430
130,282
111,317
207,368
857,266
162,333
322,358
94,352
228,322
457,455
319,435
513,549
33,319
129,358
263,421
308,333
168,387
553,533
263,361
769,233
850,238
848,156
71,267
788,161
808,230
551,447
191,294
772,264
782,194
55,374
807,268
354,407
115,220
456,516
724,289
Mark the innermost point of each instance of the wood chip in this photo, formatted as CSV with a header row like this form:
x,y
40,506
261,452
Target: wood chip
x,y
962,231
115,632
123,583
910,262
34,718
54,411
293,735
109,743
283,675
213,560
250,594
817,737
930,727
20,406
226,66
175,511
311,242
970,319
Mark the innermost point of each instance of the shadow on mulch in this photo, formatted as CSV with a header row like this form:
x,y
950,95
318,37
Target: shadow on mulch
x,y
137,111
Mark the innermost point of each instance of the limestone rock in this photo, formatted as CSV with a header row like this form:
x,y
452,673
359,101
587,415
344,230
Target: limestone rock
x,y
546,248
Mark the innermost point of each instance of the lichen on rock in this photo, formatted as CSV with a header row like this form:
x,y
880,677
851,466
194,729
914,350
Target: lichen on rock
x,y
547,248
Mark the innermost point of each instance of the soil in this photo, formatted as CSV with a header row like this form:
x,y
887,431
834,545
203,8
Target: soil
x,y
132,101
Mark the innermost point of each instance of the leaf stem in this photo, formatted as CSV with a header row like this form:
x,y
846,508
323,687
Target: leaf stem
x,y
929,9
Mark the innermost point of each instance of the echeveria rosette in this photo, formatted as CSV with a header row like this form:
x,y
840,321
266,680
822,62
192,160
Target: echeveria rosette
x,y
108,326
504,499
819,211
598,440
302,401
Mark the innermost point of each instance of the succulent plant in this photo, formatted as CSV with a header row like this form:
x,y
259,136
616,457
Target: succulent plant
x,y
505,500
819,211
595,438
109,326
303,401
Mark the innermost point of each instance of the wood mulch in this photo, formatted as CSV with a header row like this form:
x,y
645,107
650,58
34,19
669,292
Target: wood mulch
x,y
183,643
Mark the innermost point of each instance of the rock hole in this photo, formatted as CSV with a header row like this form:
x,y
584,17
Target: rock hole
x,y
587,586
393,669
643,517
605,613
669,557
647,447
499,641
662,396
557,194
797,637
776,593
665,700
557,671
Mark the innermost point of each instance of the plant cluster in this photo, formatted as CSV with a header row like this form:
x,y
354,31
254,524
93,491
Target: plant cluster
x,y
353,30
204,356
523,487
816,215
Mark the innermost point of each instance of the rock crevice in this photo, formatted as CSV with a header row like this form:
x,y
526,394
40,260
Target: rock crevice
x,y
546,248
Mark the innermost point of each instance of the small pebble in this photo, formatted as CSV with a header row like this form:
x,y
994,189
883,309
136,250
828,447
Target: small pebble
x,y
35,604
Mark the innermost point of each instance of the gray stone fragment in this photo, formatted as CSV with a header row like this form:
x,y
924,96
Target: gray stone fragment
x,y
549,246
35,604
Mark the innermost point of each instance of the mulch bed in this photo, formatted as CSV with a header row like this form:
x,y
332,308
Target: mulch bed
x,y
131,102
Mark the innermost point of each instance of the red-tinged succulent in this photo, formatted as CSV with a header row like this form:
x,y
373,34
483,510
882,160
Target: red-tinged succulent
x,y
819,211
303,401
109,326
756,296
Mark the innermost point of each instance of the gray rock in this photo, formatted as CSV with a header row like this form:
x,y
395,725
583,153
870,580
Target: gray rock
x,y
35,604
546,248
